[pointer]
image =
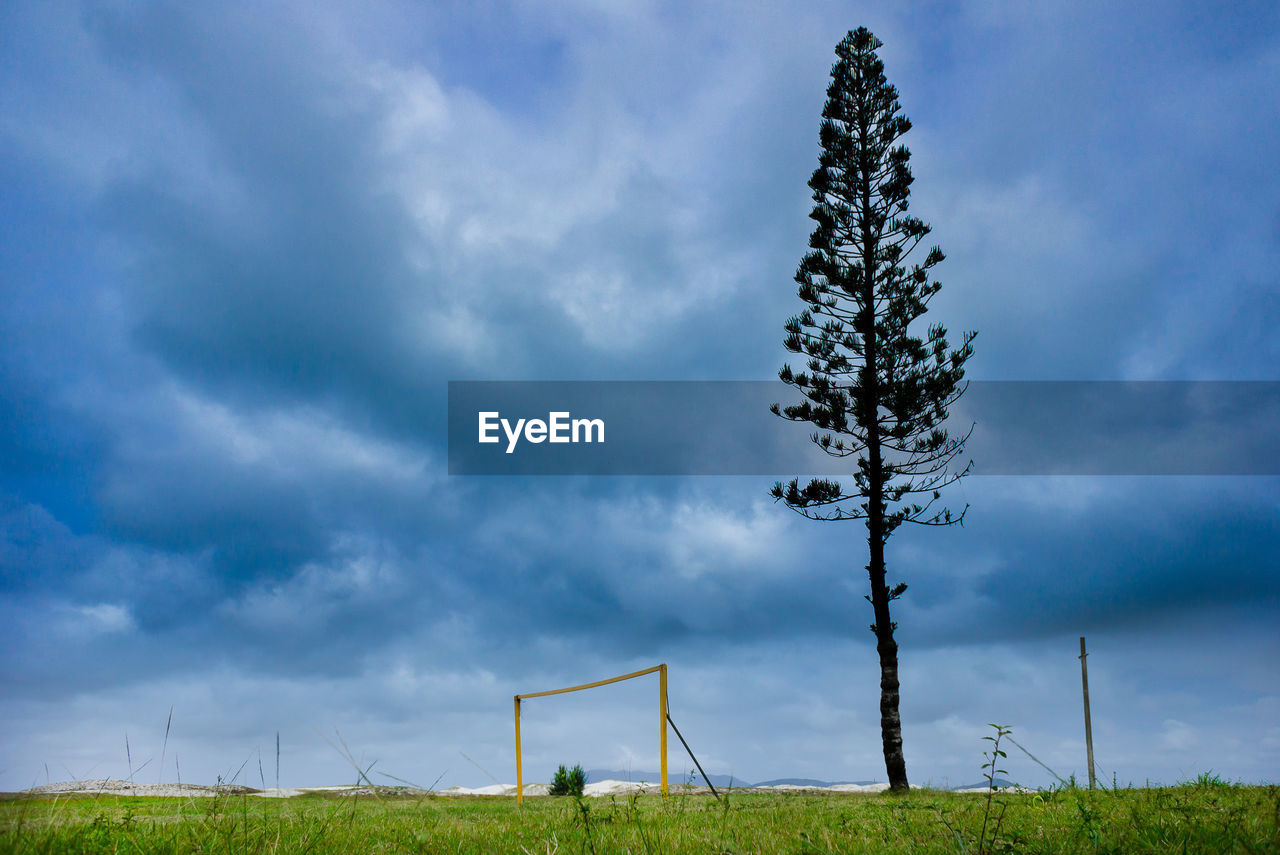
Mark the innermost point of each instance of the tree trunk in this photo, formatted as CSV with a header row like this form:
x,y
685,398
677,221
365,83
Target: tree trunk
x,y
890,722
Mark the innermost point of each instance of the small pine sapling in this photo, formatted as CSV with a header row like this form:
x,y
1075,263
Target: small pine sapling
x,y
568,782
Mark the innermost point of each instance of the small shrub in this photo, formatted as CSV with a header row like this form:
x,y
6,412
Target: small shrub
x,y
568,782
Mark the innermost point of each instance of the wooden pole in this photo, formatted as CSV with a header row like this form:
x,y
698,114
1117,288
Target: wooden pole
x,y
662,712
519,771
592,685
1088,725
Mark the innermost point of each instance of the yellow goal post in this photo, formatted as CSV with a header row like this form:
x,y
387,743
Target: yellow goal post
x,y
662,718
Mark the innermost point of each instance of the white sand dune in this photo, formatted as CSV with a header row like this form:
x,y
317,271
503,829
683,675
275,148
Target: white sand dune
x,y
495,790
613,787
116,787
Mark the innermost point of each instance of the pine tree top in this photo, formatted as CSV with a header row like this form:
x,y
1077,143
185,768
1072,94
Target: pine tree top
x,y
876,391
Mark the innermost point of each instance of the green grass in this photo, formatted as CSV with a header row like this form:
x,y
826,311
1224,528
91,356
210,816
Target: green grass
x,y
1207,815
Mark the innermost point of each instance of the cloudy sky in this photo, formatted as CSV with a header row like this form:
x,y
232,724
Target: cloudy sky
x,y
246,246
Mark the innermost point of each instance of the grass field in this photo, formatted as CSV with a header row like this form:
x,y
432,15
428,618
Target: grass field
x,y
1204,816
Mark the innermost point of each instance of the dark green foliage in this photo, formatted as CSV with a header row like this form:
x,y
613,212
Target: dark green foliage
x,y
568,782
876,392
871,387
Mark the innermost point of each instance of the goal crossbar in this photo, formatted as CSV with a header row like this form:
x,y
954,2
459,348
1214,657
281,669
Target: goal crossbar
x,y
662,714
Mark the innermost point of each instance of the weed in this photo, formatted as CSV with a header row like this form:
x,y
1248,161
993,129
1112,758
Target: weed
x,y
990,772
1208,780
584,815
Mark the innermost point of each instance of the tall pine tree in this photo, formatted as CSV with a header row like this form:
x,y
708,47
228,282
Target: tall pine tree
x,y
875,392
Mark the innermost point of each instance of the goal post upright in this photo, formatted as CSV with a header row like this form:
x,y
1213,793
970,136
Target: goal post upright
x,y
519,771
661,671
662,722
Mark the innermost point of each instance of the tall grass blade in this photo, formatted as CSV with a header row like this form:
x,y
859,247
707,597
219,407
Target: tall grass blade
x,y
163,748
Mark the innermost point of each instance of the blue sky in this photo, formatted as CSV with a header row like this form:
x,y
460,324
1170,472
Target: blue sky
x,y
245,247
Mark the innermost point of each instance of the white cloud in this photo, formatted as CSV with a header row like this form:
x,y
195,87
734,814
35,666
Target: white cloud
x,y
704,537
360,572
96,619
1178,735
295,442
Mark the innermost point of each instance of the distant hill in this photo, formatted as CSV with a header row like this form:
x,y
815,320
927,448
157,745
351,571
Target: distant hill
x,y
1000,782
807,782
677,777
673,777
